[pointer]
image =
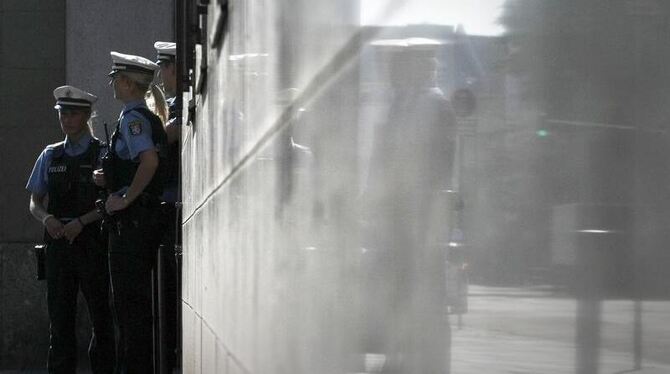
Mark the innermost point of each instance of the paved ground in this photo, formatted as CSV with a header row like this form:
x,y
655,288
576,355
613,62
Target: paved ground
x,y
532,331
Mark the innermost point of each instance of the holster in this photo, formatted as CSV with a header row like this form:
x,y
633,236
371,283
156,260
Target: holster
x,y
40,259
107,219
145,211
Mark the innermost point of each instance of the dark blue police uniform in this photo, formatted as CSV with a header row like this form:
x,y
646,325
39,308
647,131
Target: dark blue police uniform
x,y
64,172
170,217
134,234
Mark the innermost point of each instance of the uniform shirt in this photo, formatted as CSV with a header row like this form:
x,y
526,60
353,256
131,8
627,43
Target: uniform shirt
x,y
171,190
134,132
38,183
172,107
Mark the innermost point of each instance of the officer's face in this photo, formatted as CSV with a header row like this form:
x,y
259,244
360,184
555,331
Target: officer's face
x,y
73,122
120,85
168,76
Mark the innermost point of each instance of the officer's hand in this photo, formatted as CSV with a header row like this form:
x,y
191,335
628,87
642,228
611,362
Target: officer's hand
x,y
99,177
115,203
72,229
54,227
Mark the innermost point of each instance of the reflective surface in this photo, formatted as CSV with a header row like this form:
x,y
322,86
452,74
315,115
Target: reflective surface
x,y
366,197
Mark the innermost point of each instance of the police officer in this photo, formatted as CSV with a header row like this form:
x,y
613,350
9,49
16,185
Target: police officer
x,y
63,198
166,60
132,173
168,76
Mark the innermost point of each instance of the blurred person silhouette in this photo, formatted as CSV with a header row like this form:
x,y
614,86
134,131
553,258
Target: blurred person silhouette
x,y
405,214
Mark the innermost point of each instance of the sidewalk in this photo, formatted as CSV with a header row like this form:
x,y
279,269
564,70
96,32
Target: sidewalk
x,y
477,351
525,292
532,331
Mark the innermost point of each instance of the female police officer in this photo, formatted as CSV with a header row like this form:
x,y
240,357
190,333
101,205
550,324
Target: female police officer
x,y
132,172
63,198
171,236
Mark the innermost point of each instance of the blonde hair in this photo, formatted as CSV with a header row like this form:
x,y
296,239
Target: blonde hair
x,y
152,93
91,122
156,102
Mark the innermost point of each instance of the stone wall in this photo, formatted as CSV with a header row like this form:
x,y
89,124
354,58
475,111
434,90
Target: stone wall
x,y
28,75
94,28
23,318
269,253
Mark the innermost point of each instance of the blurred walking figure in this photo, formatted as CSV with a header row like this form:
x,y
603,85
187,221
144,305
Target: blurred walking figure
x,y
63,198
133,173
406,214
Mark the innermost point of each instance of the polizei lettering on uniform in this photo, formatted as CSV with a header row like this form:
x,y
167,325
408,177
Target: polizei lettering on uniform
x,y
58,169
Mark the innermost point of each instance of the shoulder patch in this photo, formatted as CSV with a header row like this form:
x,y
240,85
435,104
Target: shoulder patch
x,y
135,127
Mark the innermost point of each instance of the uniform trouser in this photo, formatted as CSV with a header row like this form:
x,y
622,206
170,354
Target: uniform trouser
x,y
70,267
169,280
133,245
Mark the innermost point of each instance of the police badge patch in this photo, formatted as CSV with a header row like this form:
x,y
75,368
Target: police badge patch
x,y
135,127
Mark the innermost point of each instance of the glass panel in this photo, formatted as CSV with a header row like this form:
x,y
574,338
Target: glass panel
x,y
437,186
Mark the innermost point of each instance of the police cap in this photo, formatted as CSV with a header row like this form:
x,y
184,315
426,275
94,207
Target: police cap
x,y
167,51
131,64
72,98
